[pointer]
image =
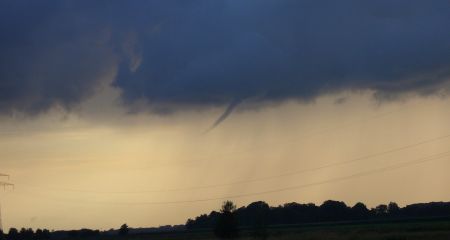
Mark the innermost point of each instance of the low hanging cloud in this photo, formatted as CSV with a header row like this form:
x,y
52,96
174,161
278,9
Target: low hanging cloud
x,y
51,55
197,54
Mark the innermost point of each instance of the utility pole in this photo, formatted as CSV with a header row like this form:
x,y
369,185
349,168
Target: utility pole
x,y
5,185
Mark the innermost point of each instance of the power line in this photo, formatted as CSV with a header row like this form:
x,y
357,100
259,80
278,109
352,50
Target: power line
x,y
4,184
392,150
296,187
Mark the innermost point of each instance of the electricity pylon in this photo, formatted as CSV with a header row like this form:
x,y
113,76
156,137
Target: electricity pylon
x,y
5,185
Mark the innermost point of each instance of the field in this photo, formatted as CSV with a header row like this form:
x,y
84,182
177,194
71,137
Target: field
x,y
411,230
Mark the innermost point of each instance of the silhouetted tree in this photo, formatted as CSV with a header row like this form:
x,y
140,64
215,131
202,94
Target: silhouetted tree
x,y
42,234
38,235
226,226
202,221
256,215
393,209
360,211
46,234
13,234
334,210
427,209
123,230
381,210
26,234
190,224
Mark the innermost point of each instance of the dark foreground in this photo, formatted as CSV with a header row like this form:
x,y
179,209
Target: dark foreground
x,y
401,230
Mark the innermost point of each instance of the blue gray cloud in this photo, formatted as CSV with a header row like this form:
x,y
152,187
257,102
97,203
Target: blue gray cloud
x,y
200,53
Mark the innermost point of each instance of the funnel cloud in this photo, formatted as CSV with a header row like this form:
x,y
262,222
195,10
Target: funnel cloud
x,y
225,114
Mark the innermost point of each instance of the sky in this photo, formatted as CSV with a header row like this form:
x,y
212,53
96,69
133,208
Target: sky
x,y
152,112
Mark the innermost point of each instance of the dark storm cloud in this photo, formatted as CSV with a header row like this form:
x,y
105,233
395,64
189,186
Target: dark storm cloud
x,y
181,54
50,54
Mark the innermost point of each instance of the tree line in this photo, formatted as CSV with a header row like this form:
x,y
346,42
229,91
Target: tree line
x,y
260,214
257,216
25,234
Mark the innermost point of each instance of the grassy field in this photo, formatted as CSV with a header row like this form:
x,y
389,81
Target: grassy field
x,y
435,230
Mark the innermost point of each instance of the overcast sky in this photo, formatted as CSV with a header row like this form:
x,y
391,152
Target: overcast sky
x,y
151,112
